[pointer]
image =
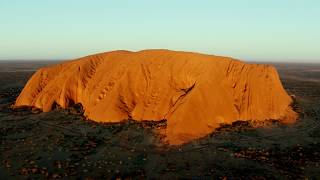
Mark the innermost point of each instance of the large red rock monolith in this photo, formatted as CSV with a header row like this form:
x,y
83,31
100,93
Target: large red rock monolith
x,y
194,92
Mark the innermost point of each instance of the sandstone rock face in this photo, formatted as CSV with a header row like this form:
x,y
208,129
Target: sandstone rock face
x,y
195,93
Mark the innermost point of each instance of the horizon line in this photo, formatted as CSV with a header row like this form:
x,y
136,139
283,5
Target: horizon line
x,y
241,59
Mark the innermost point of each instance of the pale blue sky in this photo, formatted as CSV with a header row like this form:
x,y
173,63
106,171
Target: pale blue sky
x,y
247,29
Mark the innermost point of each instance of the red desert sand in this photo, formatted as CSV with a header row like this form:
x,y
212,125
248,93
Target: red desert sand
x,y
194,92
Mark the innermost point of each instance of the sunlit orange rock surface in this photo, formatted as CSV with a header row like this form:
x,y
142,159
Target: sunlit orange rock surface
x,y
193,92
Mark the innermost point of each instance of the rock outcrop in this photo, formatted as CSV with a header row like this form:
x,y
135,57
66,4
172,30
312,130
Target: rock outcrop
x,y
194,92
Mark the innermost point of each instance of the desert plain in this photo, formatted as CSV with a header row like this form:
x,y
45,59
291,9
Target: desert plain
x,y
63,144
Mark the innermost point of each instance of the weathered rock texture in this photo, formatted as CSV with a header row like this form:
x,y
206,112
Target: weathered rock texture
x,y
193,92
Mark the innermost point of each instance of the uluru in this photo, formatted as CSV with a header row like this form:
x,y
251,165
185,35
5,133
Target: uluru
x,y
195,93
